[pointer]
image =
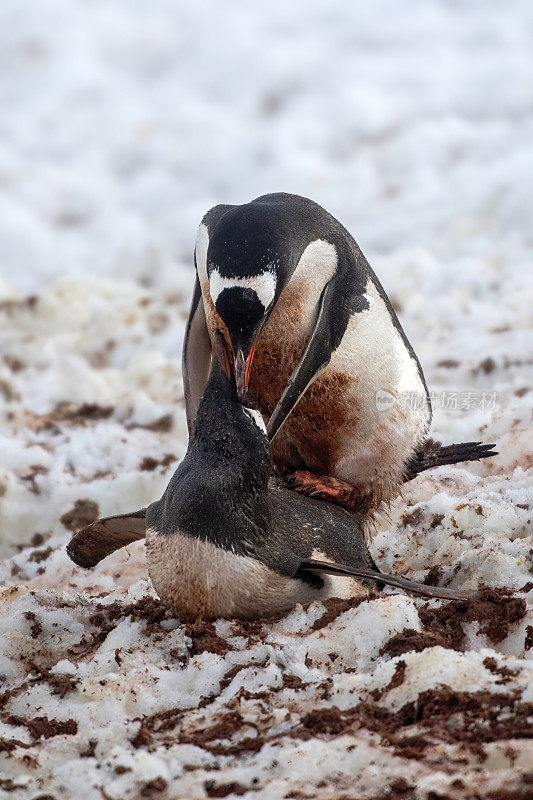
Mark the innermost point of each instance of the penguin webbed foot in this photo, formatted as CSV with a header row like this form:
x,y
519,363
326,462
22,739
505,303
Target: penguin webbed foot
x,y
325,487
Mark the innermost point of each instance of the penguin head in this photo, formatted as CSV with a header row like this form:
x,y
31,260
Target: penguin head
x,y
219,492
230,430
248,266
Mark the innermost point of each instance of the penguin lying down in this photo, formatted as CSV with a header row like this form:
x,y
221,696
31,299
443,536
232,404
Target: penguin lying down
x,y
229,540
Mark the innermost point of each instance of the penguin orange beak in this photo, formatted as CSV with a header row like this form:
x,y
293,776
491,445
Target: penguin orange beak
x,y
243,368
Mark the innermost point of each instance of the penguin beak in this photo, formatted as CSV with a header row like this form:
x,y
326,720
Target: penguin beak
x,y
243,368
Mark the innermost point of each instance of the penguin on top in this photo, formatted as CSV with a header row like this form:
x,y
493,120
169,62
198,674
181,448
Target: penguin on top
x,y
227,539
319,348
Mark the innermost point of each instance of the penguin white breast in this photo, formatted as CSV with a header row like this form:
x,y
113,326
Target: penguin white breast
x,y
341,586
374,350
390,415
194,578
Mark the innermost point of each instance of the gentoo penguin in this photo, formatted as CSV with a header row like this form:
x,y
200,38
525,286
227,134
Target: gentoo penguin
x,y
227,539
317,346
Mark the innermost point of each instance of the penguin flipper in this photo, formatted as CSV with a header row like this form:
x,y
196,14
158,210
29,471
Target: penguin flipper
x,y
312,565
196,360
101,538
335,307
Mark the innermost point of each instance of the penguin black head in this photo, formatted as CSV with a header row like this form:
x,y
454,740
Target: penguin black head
x,y
248,264
227,465
229,429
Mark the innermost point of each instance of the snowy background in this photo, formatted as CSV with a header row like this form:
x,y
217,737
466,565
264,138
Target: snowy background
x,y
122,123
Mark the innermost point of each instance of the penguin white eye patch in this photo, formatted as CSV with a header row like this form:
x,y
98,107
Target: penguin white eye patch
x,y
264,285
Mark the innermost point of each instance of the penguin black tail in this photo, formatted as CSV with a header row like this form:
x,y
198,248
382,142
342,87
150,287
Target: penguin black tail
x,y
433,454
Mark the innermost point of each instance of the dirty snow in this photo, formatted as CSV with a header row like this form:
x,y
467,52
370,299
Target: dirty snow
x,y
121,125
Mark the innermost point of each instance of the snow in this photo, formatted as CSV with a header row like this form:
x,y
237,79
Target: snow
x,y
122,124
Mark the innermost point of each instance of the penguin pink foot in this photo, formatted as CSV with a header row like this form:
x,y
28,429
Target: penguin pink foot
x,y
328,488
432,454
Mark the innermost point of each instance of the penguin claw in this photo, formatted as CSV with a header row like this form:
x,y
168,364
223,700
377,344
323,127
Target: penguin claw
x,y
324,487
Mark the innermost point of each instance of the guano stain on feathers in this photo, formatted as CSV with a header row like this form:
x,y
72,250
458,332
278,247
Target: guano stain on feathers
x,y
319,436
